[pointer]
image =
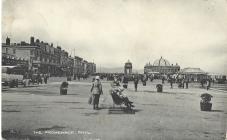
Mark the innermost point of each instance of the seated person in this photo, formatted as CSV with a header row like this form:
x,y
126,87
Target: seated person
x,y
115,83
119,91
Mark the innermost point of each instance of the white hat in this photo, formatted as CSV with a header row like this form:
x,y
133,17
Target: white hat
x,y
97,78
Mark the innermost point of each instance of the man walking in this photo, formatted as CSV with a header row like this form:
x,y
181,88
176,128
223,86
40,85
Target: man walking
x,y
125,81
187,81
163,80
208,84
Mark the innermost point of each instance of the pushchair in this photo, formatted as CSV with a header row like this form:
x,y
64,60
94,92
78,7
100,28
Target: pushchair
x,y
120,99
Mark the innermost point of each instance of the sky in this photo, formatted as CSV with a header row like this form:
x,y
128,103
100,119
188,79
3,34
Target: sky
x,y
192,33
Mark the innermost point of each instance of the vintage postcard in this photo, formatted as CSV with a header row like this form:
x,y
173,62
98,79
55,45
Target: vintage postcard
x,y
114,69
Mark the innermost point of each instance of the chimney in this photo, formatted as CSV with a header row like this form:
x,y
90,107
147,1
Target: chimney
x,y
7,41
32,40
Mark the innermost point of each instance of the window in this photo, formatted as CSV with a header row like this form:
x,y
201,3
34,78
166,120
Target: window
x,y
14,51
6,50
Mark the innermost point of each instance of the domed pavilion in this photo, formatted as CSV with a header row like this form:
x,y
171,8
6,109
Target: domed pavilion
x,y
161,66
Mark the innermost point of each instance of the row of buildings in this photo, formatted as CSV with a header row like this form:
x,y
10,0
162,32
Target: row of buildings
x,y
42,57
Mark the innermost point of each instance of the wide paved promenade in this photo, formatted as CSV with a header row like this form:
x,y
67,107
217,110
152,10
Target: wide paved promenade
x,y
41,113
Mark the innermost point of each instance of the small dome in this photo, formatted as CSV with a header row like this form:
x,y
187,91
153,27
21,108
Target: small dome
x,y
161,62
128,62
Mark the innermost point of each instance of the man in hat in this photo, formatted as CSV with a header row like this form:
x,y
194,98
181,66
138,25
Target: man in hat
x,y
96,91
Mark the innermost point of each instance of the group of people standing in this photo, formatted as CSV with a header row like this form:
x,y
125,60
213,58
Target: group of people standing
x,y
35,78
206,82
183,83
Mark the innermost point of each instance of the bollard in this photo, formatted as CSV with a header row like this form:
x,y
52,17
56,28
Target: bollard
x,y
205,104
159,88
64,88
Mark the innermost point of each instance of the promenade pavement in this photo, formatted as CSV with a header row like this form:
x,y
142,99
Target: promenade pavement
x,y
41,113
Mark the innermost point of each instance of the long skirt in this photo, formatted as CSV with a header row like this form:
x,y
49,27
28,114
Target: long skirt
x,y
96,99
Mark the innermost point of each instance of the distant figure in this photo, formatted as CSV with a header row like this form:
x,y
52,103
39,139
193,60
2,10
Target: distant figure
x,y
78,77
151,78
45,78
171,82
96,91
115,82
39,79
208,84
186,82
203,81
136,81
163,80
125,81
182,83
144,79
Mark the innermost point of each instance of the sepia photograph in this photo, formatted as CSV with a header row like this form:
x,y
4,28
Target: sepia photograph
x,y
114,69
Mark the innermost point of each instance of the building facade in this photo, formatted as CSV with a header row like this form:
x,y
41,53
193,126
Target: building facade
x,y
161,66
42,57
91,68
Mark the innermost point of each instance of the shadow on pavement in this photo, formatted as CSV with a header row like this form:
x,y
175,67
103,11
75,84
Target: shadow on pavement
x,y
66,102
217,111
123,111
11,111
91,113
77,108
149,91
73,94
55,127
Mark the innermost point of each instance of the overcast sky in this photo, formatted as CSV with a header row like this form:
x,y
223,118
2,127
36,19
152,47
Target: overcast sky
x,y
192,33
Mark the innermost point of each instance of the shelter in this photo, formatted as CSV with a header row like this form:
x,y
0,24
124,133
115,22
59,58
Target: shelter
x,y
193,74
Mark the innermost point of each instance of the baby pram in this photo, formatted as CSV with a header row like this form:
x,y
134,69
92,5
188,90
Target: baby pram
x,y
119,98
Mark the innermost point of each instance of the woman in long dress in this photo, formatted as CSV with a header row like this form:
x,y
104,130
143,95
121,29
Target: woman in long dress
x,y
96,91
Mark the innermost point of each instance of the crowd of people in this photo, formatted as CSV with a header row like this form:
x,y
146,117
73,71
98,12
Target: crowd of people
x,y
117,89
38,78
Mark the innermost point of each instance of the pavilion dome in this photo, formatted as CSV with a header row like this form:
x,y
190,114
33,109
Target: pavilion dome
x,y
161,62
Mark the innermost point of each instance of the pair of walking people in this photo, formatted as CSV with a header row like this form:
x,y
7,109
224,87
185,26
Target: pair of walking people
x,y
96,91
